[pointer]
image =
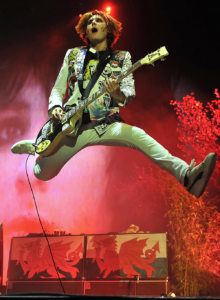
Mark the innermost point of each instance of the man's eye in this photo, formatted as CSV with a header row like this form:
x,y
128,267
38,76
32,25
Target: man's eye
x,y
12,129
97,20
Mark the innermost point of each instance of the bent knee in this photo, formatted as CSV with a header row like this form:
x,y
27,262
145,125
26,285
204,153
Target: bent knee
x,y
43,175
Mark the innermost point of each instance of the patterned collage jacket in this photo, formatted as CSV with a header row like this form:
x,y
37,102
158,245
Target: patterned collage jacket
x,y
103,108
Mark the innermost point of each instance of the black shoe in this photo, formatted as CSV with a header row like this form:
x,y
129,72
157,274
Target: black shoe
x,y
198,177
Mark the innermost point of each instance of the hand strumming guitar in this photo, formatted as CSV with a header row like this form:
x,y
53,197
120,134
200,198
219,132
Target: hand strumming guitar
x,y
113,88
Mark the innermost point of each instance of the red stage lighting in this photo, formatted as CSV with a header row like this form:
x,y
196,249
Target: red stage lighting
x,y
108,10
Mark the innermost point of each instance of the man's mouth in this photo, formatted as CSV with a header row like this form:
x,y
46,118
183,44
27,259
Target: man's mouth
x,y
94,30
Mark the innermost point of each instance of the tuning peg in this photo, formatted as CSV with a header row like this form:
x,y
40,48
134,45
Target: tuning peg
x,y
153,64
163,59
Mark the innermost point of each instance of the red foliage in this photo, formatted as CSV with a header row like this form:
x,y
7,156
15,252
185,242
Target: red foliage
x,y
199,127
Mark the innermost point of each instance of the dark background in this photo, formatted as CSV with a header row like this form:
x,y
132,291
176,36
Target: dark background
x,y
189,29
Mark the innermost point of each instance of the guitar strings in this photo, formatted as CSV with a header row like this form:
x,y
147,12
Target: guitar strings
x,y
42,224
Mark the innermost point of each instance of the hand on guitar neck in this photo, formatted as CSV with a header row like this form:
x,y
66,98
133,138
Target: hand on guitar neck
x,y
57,114
113,88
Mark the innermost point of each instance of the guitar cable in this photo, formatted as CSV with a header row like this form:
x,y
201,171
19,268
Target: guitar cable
x,y
42,225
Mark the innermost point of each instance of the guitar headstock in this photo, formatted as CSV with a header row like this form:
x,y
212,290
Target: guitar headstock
x,y
152,57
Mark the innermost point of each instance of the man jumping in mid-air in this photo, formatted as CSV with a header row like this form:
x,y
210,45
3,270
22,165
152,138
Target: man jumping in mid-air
x,y
101,122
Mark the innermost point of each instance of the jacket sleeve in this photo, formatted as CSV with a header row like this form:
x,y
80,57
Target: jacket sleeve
x,y
127,83
59,90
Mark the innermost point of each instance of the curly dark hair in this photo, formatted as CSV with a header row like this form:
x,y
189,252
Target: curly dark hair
x,y
113,26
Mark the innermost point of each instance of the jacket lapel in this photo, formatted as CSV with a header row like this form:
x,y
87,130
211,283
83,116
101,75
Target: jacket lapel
x,y
80,58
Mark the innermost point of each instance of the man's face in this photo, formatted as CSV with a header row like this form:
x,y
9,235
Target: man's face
x,y
96,30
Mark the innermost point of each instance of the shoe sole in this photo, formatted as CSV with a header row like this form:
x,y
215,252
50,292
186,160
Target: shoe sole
x,y
199,187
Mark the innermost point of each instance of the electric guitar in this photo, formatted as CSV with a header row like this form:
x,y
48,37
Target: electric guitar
x,y
51,133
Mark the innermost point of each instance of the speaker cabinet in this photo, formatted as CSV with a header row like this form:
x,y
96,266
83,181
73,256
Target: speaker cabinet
x,y
127,288
54,286
114,288
111,264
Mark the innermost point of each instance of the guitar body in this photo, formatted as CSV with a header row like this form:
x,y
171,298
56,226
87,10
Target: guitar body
x,y
51,134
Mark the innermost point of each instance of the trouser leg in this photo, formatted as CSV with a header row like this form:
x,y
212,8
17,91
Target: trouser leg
x,y
118,134
125,135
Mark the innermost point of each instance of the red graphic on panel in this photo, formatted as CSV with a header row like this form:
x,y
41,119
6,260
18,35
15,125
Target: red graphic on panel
x,y
36,262
129,255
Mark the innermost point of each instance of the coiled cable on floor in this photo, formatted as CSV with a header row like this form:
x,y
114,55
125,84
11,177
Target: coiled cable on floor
x,y
41,224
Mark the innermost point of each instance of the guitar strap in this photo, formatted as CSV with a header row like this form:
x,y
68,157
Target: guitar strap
x,y
100,67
